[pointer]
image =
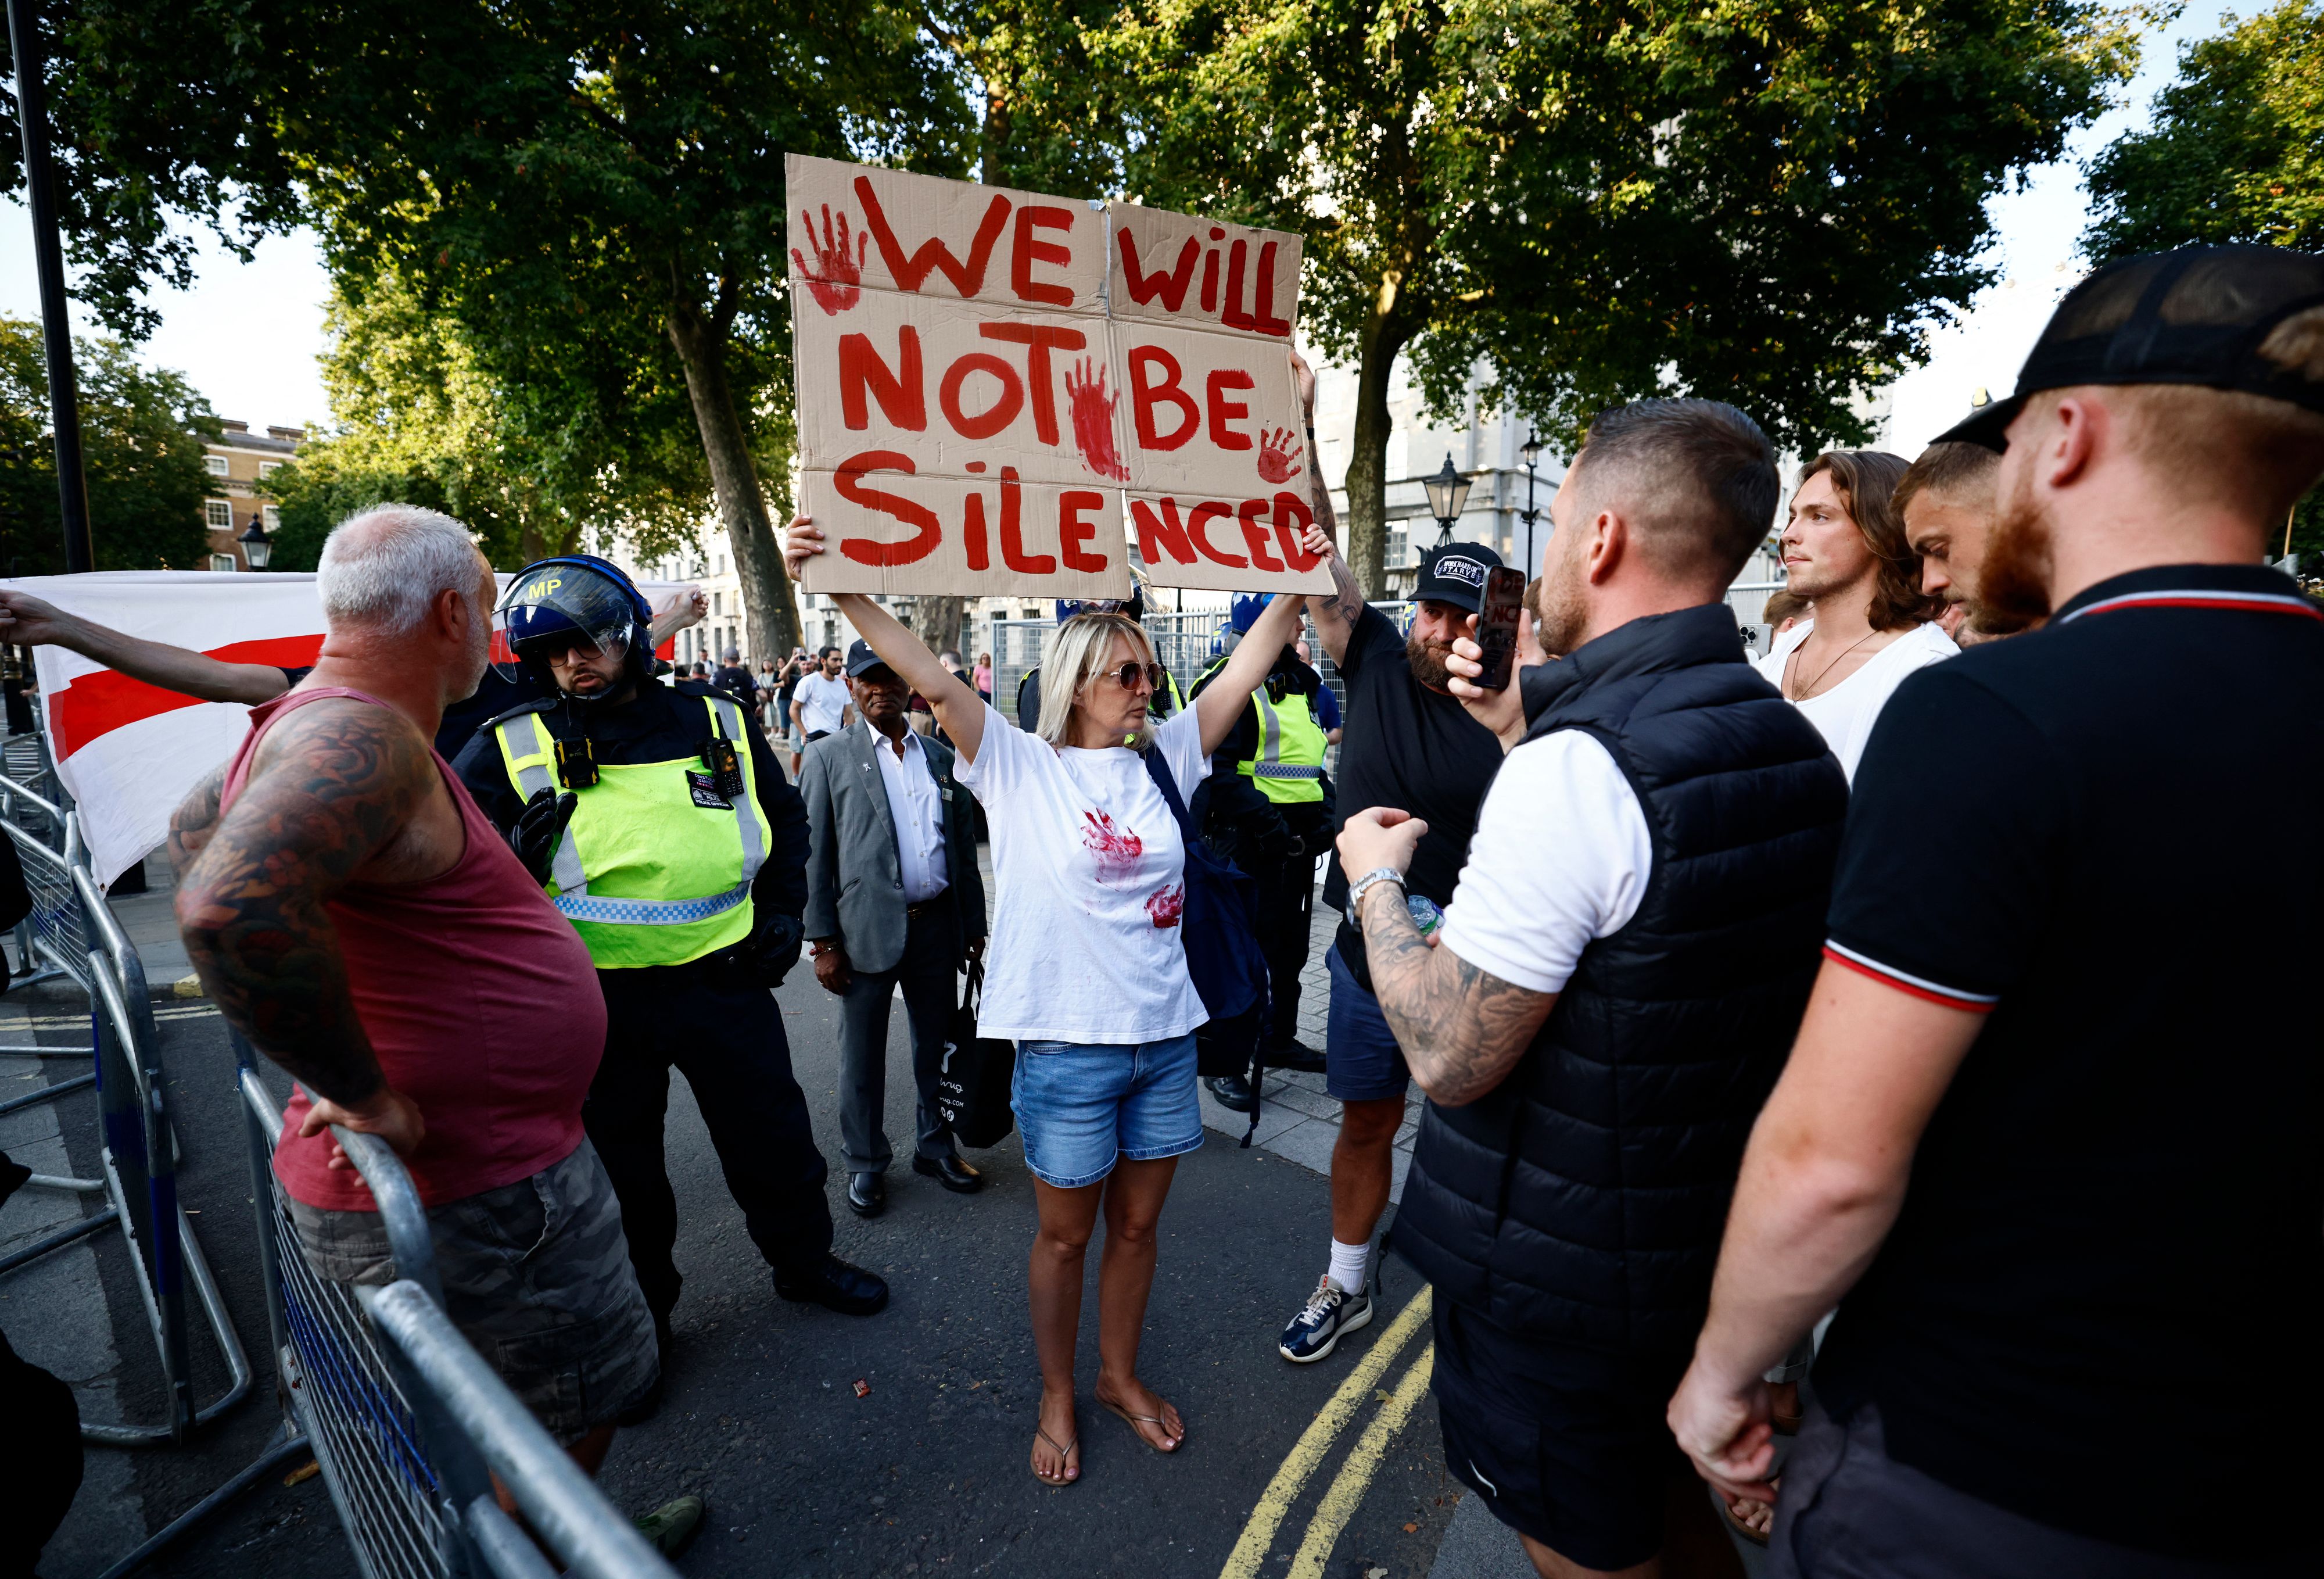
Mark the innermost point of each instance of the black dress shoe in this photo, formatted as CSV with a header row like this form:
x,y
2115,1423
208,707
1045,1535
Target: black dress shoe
x,y
951,1172
867,1194
835,1286
1291,1053
1230,1091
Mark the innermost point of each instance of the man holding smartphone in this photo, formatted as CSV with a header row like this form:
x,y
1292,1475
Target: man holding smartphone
x,y
1408,742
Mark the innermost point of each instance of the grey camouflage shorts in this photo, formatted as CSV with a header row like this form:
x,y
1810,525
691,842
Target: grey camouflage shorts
x,y
536,1276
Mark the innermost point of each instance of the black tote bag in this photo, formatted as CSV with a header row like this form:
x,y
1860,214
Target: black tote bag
x,y
973,1080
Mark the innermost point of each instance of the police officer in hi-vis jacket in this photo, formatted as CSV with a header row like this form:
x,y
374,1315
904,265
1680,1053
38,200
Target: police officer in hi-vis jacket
x,y
1267,806
659,825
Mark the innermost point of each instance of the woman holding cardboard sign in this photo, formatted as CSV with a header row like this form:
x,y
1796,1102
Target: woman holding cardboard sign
x,y
1087,967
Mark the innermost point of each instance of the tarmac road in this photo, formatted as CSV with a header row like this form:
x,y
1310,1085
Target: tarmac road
x,y
925,1473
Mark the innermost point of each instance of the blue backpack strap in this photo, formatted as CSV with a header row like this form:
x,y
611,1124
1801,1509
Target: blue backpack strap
x,y
1159,771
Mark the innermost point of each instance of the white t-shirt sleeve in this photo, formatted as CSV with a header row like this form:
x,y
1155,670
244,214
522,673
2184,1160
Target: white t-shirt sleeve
x,y
1179,739
1561,857
1003,753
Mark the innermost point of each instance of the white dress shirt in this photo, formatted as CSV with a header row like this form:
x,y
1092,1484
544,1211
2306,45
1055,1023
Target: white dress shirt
x,y
917,806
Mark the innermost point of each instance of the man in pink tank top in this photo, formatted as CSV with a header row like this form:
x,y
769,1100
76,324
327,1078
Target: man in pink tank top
x,y
357,919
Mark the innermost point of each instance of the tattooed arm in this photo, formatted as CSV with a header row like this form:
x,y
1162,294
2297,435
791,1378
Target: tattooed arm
x,y
191,824
1461,1028
1336,614
1337,611
338,789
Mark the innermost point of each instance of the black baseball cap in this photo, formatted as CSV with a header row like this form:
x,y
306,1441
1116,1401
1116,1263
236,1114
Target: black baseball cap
x,y
1455,574
860,658
2197,316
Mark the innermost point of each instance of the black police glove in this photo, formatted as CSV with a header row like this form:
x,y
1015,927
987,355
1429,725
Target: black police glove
x,y
541,828
762,959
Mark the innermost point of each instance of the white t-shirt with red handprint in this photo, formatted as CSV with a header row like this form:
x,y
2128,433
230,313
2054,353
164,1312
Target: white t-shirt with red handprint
x,y
1089,879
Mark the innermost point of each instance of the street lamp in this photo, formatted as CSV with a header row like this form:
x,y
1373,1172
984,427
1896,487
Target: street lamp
x,y
255,544
1448,495
1531,450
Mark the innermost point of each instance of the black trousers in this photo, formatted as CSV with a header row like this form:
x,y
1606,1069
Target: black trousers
x,y
40,1459
728,1042
1286,911
929,974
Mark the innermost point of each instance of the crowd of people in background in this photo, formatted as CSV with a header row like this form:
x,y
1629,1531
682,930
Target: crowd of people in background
x,y
1868,1075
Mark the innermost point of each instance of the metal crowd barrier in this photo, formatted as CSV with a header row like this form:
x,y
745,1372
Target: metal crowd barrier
x,y
72,933
407,1423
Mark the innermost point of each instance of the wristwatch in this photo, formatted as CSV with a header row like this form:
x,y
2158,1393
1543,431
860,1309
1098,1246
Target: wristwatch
x,y
1362,885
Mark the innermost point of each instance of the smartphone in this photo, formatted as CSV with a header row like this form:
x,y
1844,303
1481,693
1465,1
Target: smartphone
x,y
1497,625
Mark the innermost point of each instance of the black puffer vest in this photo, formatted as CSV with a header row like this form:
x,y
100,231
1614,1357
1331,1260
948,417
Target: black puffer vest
x,y
1583,1199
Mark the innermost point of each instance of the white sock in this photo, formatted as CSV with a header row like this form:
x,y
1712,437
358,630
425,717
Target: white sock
x,y
1349,1266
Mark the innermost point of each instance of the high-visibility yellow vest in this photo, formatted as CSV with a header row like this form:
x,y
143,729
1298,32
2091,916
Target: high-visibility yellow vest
x,y
648,873
1289,765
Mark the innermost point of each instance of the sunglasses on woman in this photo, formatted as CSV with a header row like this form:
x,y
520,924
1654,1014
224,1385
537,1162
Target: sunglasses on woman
x,y
1128,676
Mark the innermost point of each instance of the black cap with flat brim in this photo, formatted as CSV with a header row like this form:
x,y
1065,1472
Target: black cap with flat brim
x,y
2207,315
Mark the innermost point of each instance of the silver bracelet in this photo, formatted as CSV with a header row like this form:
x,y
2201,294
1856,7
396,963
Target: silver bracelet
x,y
1363,885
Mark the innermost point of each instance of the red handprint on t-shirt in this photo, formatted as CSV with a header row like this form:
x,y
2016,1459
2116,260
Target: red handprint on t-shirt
x,y
1278,456
1167,906
833,281
1092,410
1118,850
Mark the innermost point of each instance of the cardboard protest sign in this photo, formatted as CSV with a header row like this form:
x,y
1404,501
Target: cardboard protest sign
x,y
963,358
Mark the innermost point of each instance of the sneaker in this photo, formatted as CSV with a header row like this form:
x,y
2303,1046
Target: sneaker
x,y
1331,1314
671,1527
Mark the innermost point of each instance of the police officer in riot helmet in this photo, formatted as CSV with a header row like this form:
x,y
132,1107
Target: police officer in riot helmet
x,y
660,826
1267,806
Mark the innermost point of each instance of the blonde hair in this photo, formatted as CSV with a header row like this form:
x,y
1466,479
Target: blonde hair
x,y
1078,651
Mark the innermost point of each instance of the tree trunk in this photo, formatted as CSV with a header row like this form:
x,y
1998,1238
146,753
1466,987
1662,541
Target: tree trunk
x,y
771,614
936,621
1378,345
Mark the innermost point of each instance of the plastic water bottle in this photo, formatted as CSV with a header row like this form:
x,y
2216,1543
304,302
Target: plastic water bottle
x,y
1425,913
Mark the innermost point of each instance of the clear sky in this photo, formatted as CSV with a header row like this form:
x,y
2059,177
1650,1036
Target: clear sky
x,y
247,334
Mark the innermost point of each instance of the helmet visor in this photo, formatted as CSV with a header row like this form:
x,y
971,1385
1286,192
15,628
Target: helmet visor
x,y
553,615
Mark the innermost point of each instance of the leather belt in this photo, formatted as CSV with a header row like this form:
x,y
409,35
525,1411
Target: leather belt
x,y
927,906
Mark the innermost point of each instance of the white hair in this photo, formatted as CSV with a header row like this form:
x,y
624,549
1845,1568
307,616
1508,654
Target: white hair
x,y
383,568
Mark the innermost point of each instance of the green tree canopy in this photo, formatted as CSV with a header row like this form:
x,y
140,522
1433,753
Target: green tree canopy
x,y
142,432
2235,150
594,194
418,420
1764,202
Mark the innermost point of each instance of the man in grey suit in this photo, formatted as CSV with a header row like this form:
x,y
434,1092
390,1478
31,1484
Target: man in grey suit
x,y
893,896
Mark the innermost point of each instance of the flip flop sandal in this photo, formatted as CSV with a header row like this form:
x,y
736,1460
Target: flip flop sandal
x,y
1135,1421
1065,1454
1757,1537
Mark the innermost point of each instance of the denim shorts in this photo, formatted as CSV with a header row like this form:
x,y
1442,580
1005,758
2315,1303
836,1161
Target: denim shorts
x,y
1361,1062
1082,1106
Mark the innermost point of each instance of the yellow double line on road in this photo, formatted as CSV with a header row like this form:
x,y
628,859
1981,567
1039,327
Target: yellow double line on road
x,y
1346,1492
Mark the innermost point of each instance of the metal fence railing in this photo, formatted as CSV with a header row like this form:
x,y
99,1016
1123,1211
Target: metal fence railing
x,y
407,1422
71,934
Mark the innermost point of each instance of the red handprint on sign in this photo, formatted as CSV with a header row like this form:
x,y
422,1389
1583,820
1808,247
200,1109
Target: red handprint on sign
x,y
833,281
1278,456
1092,410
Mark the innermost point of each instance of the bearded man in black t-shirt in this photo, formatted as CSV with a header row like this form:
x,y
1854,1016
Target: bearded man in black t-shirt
x,y
2052,1123
1407,743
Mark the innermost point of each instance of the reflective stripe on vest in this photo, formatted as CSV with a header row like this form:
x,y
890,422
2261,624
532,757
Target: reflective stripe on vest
x,y
1287,724
604,919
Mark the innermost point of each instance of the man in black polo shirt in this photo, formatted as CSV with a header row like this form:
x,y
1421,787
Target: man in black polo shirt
x,y
2054,1122
1408,742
